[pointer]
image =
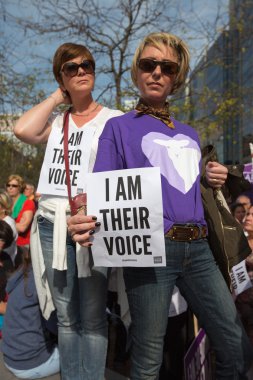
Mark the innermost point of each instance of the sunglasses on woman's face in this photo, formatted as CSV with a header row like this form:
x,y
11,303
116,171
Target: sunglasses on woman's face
x,y
148,65
70,69
11,185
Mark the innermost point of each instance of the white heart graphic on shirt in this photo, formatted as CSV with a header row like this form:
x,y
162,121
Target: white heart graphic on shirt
x,y
178,158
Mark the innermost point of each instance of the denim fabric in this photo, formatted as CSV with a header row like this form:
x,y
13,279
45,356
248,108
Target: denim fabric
x,y
191,266
81,311
50,367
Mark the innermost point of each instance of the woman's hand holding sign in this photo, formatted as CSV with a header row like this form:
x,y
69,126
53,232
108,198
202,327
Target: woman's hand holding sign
x,y
81,227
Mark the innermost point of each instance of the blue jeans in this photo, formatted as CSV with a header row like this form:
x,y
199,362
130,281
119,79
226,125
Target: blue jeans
x,y
49,368
192,268
81,311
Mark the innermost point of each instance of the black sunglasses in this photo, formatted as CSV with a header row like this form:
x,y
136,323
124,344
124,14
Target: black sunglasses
x,y
70,69
11,185
149,65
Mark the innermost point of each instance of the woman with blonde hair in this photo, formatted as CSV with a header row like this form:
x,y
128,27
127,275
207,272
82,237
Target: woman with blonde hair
x,y
23,209
150,137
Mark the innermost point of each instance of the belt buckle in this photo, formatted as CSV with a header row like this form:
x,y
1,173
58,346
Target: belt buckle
x,y
182,233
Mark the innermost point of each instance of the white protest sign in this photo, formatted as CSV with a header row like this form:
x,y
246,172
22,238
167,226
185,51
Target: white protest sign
x,y
128,203
240,278
53,174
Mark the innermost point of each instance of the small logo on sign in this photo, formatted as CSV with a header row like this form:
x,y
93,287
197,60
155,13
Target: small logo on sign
x,y
158,260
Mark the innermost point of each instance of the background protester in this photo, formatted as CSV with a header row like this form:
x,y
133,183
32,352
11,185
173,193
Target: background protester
x,y
244,200
5,211
29,191
244,301
238,211
6,266
23,209
29,351
65,277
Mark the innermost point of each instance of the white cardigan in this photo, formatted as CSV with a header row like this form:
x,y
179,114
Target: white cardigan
x,y
59,212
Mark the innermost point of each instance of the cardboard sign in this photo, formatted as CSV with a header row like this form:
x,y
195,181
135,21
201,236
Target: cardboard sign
x,y
240,278
197,361
128,203
53,173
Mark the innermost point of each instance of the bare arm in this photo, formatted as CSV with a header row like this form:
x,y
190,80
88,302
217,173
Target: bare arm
x,y
33,127
25,221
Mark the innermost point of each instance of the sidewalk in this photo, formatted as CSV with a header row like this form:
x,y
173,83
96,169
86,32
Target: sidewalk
x,y
6,375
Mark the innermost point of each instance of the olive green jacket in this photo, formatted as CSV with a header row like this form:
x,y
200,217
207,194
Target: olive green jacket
x,y
225,235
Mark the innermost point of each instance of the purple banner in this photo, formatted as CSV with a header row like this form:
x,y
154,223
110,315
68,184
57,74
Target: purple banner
x,y
248,173
197,361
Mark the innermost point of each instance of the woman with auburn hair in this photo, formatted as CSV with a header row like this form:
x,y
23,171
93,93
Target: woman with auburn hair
x,y
23,209
65,276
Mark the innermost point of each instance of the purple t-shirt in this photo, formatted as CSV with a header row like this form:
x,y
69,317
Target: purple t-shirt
x,y
132,141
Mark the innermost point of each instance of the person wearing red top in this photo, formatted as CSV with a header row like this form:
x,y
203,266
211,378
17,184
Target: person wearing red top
x,y
23,209
24,221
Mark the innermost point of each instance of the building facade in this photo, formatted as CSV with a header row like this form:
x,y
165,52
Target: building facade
x,y
221,88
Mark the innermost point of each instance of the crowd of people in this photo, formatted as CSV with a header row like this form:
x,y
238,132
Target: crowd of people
x,y
53,298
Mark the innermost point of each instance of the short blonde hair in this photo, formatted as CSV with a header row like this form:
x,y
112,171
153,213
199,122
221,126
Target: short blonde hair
x,y
19,179
157,40
5,202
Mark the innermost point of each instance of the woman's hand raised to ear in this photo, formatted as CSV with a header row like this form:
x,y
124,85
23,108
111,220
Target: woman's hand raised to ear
x,y
34,126
82,227
60,96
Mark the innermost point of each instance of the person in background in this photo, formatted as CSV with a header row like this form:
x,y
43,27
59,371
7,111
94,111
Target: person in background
x,y
29,352
146,137
244,301
23,209
6,266
238,211
73,285
244,200
248,226
5,211
3,296
29,191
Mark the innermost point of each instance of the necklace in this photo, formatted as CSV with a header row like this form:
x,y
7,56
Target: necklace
x,y
86,114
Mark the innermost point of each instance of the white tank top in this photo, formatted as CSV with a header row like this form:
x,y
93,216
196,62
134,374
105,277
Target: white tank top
x,y
82,144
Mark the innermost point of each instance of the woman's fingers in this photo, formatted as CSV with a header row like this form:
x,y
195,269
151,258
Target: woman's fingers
x,y
82,227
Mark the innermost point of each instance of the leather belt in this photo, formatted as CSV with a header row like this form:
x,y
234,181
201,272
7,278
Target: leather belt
x,y
186,232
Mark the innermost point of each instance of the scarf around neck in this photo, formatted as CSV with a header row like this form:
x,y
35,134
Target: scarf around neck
x,y
18,206
159,113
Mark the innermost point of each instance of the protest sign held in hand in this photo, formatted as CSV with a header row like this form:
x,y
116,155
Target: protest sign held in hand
x,y
128,203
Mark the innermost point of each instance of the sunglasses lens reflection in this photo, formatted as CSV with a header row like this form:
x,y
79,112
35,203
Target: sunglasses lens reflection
x,y
70,69
11,185
149,65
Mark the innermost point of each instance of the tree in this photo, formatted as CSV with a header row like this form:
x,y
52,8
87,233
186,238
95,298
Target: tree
x,y
17,160
111,32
